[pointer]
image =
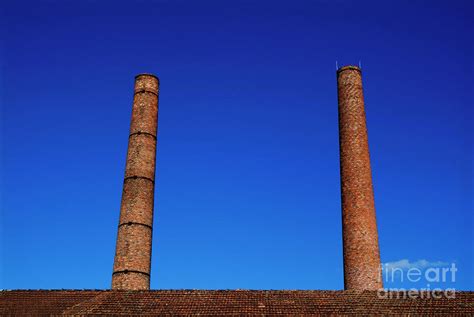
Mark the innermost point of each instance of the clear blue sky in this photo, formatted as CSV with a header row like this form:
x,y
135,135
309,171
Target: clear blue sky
x,y
247,191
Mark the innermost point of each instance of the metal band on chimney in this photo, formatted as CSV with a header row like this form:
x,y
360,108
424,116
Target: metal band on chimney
x,y
143,133
130,223
139,177
130,271
145,91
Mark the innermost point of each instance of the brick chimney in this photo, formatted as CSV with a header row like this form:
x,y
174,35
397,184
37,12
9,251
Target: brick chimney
x,y
133,250
360,238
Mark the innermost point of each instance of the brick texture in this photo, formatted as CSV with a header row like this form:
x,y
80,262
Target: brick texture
x,y
132,263
229,303
360,239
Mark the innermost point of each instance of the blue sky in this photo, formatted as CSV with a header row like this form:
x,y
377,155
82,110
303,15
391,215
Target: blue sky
x,y
247,191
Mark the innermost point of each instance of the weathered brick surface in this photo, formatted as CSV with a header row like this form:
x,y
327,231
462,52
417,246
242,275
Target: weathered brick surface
x,y
141,156
145,112
360,239
130,281
133,250
137,201
229,303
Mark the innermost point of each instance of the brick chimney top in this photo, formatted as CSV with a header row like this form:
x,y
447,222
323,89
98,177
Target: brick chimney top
x,y
147,74
347,67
